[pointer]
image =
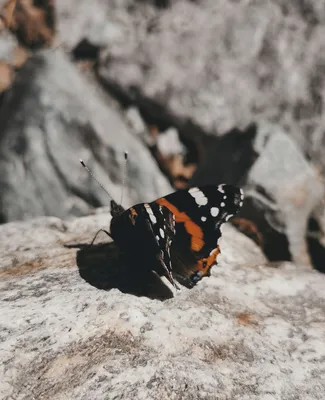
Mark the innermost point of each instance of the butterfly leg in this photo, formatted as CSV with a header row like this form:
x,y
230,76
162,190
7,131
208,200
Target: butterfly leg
x,y
100,230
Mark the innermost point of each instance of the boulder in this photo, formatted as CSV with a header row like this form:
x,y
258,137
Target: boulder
x,y
247,332
52,116
288,189
206,67
219,64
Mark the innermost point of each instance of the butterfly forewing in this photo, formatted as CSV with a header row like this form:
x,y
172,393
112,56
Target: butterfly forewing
x,y
199,213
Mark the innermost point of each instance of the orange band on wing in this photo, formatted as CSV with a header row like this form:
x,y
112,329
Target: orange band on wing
x,y
133,215
204,264
191,227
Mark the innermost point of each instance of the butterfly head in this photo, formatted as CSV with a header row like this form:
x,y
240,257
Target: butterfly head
x,y
116,209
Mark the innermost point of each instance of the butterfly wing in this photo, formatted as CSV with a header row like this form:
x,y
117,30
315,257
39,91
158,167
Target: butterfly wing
x,y
145,233
199,213
161,224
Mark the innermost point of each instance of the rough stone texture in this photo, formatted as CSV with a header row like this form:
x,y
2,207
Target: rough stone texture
x,y
168,143
295,187
219,64
7,46
248,332
52,117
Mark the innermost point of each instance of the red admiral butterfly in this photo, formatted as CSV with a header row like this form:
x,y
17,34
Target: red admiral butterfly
x,y
177,235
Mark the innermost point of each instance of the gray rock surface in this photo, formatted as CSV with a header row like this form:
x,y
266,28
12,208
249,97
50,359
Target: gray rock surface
x,y
221,64
8,43
249,331
218,64
168,143
53,116
295,187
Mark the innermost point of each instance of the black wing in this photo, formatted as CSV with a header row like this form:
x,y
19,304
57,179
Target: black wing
x,y
161,223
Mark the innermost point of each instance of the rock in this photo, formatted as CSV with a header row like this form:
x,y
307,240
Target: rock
x,y
33,24
90,22
291,190
8,45
10,51
52,117
247,332
168,143
168,61
138,126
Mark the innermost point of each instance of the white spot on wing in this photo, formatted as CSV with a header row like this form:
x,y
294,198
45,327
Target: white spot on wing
x,y
222,204
152,217
158,238
162,233
221,189
199,196
201,201
203,219
241,204
214,211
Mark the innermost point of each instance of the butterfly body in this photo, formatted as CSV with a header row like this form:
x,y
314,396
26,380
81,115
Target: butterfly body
x,y
176,235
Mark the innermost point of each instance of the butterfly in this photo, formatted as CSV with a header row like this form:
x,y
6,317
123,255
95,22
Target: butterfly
x,y
176,236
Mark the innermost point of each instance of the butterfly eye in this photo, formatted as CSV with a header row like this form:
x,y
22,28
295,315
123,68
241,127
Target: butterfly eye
x,y
197,276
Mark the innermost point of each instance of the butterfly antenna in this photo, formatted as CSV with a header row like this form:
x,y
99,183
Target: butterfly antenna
x,y
124,173
92,175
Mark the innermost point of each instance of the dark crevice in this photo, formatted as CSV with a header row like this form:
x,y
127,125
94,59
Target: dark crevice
x,y
227,159
162,3
159,4
275,244
315,248
3,219
85,50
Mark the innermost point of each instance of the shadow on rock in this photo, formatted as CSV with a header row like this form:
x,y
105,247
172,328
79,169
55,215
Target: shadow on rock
x,y
105,267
